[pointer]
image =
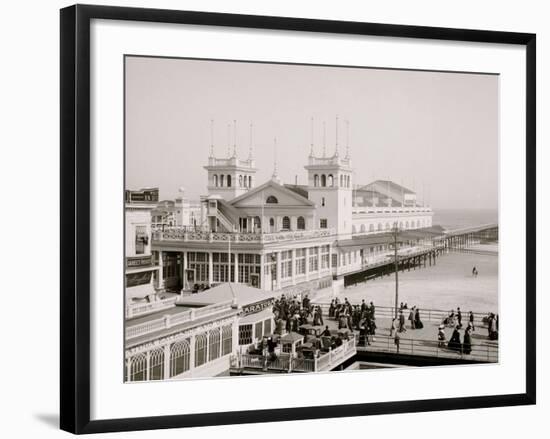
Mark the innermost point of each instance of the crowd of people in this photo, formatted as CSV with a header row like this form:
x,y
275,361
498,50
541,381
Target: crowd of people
x,y
293,312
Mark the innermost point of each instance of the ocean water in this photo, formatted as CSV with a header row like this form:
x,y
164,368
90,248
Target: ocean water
x,y
458,218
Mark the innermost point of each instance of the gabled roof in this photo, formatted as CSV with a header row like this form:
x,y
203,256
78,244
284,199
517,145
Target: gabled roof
x,y
276,186
299,189
245,295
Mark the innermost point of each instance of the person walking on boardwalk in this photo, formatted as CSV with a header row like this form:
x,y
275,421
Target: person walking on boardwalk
x,y
402,322
467,344
394,323
454,342
471,318
411,317
474,270
441,336
417,322
459,317
397,340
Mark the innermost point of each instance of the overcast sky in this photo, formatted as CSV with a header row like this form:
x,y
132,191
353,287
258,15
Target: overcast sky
x,y
427,130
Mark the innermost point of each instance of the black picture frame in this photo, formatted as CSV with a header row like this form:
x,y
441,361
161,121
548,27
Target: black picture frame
x,y
75,216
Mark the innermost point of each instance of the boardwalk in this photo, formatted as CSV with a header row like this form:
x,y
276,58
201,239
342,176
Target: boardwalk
x,y
423,342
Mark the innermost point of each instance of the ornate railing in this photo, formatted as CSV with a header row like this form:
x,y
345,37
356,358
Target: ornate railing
x,y
284,362
139,309
183,234
168,321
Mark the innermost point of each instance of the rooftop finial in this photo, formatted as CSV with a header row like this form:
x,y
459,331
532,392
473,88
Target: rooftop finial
x,y
336,149
211,137
275,175
234,138
250,145
228,140
311,149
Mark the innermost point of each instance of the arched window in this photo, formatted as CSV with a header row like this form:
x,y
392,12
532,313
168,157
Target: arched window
x,y
316,180
363,228
379,226
156,364
330,182
387,226
179,357
323,180
271,200
215,180
349,181
200,349
229,181
221,180
286,223
257,223
400,224
371,228
249,181
240,181
418,224
271,225
138,365
341,181
214,344
353,229
406,224
301,223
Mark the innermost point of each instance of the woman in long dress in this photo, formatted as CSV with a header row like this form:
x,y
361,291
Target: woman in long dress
x,y
454,342
467,345
417,322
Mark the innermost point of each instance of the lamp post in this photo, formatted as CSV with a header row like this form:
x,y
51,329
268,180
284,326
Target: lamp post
x,y
396,261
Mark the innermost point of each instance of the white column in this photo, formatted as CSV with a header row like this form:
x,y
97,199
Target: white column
x,y
330,259
184,268
262,271
319,266
210,268
236,267
147,365
192,352
160,277
307,263
278,280
167,361
293,259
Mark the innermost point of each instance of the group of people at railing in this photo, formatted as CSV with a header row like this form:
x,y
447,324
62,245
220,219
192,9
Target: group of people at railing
x,y
355,317
294,312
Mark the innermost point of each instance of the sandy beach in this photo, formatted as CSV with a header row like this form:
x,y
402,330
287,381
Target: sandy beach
x,y
445,286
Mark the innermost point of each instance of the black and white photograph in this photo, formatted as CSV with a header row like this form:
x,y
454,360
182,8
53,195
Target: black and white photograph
x,y
299,219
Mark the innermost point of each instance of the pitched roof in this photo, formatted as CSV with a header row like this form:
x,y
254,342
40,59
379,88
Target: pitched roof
x,y
224,292
393,186
299,189
277,186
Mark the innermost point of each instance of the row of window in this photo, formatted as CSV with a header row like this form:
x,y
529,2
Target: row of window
x,y
248,333
208,347
226,181
330,181
387,226
299,267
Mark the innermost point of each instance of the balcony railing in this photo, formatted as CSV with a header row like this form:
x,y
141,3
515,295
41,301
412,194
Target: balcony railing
x,y
285,362
141,308
183,234
168,321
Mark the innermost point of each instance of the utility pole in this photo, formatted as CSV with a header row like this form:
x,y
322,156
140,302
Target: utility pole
x,y
395,232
